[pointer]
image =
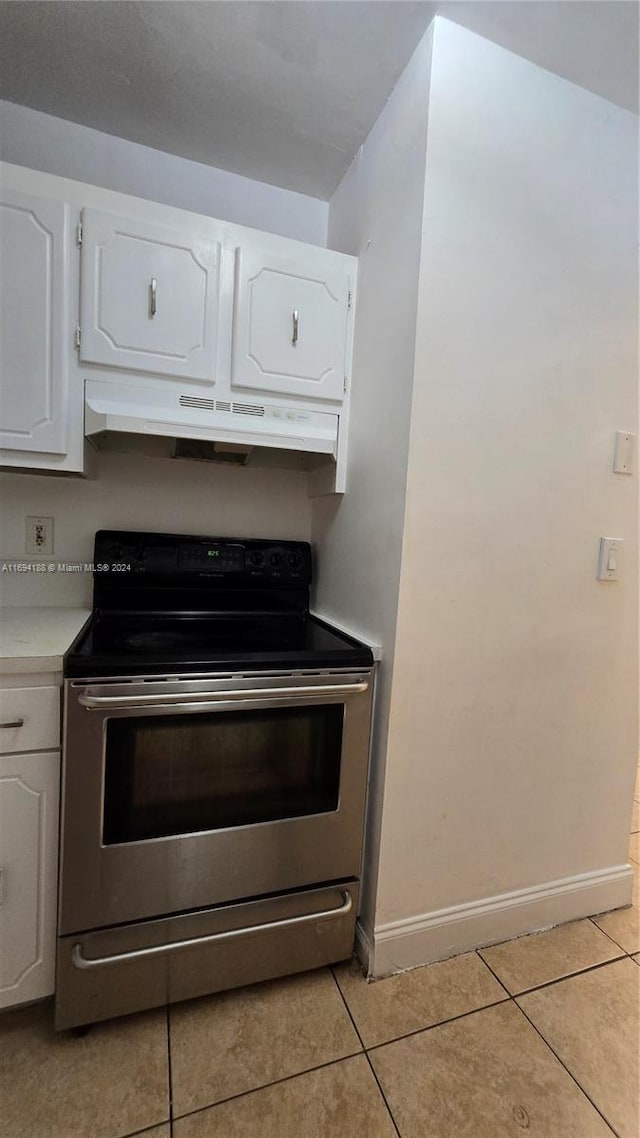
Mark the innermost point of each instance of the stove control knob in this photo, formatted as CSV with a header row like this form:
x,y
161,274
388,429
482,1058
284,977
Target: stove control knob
x,y
295,562
275,560
256,559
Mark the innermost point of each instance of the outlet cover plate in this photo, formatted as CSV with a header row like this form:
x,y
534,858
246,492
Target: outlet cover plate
x,y
39,541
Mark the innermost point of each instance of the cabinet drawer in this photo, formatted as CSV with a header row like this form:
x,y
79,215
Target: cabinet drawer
x,y
36,715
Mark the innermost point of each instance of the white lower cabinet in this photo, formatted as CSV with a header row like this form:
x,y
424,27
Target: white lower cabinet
x,y
29,807
29,797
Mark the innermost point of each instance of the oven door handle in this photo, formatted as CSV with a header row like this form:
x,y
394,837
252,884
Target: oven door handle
x,y
244,696
84,962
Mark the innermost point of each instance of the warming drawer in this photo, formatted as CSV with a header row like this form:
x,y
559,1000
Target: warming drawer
x,y
131,967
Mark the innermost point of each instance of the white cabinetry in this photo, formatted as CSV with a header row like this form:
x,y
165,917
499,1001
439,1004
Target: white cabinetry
x,y
29,796
149,320
149,297
34,322
290,325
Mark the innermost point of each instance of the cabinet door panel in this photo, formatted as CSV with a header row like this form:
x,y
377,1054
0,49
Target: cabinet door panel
x,y
290,326
33,323
28,875
149,297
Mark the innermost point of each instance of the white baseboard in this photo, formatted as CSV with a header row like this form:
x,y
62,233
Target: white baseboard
x,y
447,932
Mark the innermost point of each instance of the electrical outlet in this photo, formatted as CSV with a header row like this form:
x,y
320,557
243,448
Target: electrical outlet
x,y
40,537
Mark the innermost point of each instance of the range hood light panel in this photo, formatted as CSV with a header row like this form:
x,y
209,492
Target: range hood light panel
x,y
203,450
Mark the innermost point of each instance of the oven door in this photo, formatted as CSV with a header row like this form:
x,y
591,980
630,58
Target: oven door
x,y
185,793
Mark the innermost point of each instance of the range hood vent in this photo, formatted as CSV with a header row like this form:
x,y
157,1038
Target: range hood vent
x,y
221,405
141,410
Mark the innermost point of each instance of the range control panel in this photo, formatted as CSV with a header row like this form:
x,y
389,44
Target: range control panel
x,y
120,553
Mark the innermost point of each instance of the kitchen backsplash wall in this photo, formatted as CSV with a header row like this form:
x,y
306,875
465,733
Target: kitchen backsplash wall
x,y
139,492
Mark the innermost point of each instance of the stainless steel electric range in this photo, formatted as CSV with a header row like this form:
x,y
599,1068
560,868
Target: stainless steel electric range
x,y
214,777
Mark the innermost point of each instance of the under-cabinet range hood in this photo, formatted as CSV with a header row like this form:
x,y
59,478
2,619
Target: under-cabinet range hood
x,y
145,411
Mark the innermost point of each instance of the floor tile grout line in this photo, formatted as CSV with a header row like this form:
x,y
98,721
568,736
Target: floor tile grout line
x,y
265,1086
513,1000
569,1072
568,976
147,1129
439,1023
366,1053
509,999
382,1092
594,921
348,1009
478,953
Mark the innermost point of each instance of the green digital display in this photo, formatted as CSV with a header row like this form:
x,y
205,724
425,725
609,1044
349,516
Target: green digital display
x,y
213,553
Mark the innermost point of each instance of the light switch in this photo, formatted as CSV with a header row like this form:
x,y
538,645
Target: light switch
x,y
610,558
624,460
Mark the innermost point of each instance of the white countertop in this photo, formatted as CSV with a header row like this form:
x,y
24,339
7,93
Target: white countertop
x,y
36,639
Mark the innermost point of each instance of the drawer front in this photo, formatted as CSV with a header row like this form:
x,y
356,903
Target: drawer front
x,y
29,719
133,967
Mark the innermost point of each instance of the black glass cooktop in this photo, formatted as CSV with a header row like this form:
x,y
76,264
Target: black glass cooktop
x,y
171,603
131,644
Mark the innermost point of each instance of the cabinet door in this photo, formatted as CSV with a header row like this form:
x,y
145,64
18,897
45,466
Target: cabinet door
x,y
33,323
29,791
290,326
148,297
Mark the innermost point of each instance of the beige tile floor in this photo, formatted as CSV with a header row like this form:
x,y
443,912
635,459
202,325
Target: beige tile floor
x,y
536,1036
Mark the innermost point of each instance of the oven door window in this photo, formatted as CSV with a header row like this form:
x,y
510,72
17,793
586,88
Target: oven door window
x,y
180,774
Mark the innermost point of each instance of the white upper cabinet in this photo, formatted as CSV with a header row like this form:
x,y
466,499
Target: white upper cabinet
x,y
290,325
149,297
124,315
33,323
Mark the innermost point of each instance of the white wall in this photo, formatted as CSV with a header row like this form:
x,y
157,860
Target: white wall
x,y
376,213
512,739
136,492
43,142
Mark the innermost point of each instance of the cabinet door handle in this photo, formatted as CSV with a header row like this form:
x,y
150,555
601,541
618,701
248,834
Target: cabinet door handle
x,y
12,723
153,296
296,321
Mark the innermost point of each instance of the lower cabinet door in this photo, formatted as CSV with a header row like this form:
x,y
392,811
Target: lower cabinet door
x,y
29,796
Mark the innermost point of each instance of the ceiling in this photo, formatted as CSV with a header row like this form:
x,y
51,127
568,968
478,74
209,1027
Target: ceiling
x,y
284,92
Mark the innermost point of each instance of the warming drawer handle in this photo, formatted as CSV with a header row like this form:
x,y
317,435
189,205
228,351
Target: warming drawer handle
x,y
12,723
244,695
84,962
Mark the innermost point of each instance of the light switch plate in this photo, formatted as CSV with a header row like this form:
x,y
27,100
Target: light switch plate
x,y
624,461
610,558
